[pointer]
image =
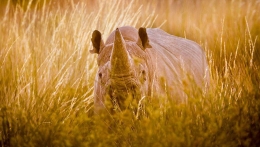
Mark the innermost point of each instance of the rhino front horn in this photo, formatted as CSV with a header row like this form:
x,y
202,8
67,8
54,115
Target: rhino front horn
x,y
120,59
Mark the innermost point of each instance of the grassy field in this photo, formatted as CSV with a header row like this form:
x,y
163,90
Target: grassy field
x,y
47,74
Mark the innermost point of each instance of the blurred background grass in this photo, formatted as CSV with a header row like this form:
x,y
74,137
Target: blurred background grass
x,y
47,74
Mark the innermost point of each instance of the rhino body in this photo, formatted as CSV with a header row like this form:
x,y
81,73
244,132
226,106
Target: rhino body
x,y
145,63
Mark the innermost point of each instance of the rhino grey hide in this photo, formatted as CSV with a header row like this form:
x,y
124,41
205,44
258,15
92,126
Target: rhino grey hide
x,y
145,63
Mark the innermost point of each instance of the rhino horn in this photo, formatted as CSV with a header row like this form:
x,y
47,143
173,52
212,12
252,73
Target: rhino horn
x,y
120,59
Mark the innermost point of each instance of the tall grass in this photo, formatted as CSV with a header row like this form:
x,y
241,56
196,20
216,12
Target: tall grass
x,y
47,74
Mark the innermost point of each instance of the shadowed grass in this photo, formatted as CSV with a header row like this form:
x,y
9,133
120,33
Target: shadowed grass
x,y
47,75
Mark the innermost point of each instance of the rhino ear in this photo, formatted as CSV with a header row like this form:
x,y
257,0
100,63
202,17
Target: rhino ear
x,y
97,42
144,38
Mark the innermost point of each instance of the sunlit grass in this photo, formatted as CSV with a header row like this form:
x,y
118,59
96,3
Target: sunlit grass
x,y
47,74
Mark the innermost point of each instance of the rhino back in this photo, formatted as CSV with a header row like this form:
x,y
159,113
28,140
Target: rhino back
x,y
174,57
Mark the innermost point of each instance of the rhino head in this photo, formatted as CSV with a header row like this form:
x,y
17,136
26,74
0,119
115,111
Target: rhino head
x,y
123,75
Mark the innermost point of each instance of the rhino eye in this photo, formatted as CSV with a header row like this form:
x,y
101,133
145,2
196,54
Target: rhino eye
x,y
100,75
143,75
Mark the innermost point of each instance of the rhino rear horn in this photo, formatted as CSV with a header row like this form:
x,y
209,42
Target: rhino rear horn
x,y
97,42
144,38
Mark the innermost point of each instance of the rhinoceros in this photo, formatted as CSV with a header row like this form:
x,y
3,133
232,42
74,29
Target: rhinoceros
x,y
147,62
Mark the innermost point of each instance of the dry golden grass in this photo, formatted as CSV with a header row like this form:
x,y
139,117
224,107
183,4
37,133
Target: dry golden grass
x,y
47,74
